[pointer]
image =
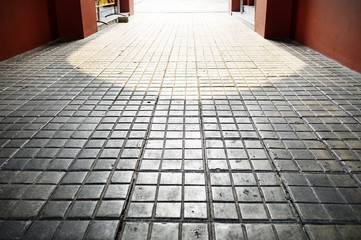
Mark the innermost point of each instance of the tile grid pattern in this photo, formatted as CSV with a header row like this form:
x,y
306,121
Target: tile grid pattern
x,y
179,126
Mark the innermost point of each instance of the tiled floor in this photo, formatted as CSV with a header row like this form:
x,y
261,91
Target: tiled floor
x,y
186,126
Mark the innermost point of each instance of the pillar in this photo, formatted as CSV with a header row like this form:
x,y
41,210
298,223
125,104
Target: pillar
x,y
250,2
273,18
126,6
76,18
234,6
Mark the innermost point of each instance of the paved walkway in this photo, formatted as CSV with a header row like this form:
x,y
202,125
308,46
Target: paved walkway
x,y
187,126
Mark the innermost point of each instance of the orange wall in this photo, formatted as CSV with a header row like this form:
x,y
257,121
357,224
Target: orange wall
x,y
331,27
26,25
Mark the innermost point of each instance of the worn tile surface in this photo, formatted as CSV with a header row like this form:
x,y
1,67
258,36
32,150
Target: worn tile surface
x,y
186,126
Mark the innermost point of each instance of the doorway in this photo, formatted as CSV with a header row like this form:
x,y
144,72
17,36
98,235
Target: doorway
x,y
248,10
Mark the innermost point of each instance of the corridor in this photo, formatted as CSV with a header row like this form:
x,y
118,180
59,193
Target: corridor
x,y
179,126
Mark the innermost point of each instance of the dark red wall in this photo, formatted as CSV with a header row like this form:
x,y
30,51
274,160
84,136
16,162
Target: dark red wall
x,y
76,18
26,25
126,6
331,27
69,19
89,17
273,18
234,5
278,19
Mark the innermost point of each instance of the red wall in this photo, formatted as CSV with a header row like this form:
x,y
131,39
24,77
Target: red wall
x,y
234,5
76,18
331,27
249,2
89,17
26,25
260,17
273,18
126,6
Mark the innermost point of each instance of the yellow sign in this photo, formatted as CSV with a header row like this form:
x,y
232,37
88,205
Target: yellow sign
x,y
102,3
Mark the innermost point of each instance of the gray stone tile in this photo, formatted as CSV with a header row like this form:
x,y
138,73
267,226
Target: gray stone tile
x,y
267,179
82,164
339,212
60,164
194,179
169,193
225,211
37,164
65,192
90,191
350,232
352,195
140,210
116,191
122,177
194,193
194,231
40,192
228,231
303,194
13,229
253,211
126,164
195,210
26,209
168,210
244,179
135,230
281,211
312,212
110,209
248,194
322,232
287,231
82,209
342,180
273,194
26,177
222,194
164,231
144,193
42,230
102,230
240,165
71,230
260,231
328,195
6,207
5,176
98,177
50,177
74,178
55,209
13,191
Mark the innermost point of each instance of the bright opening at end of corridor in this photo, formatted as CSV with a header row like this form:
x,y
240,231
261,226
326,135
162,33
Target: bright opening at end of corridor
x,y
179,6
